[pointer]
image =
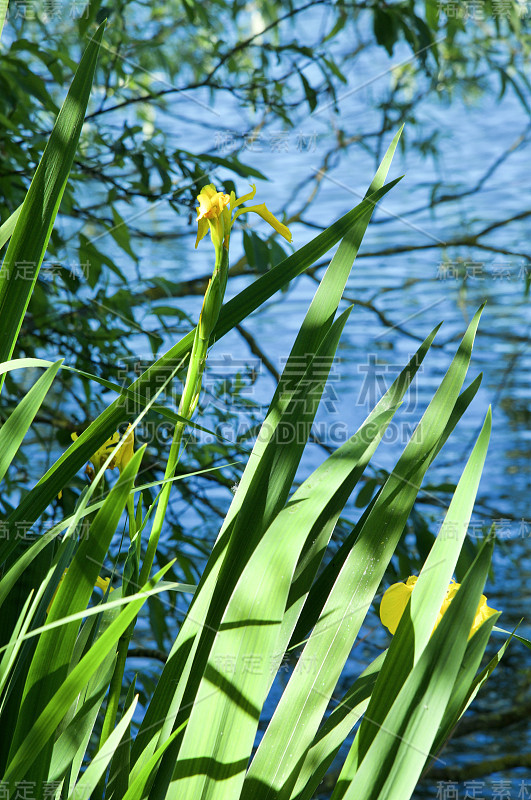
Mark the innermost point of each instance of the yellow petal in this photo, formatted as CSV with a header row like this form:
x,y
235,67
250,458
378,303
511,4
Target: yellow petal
x,y
202,228
211,202
227,222
450,594
264,212
100,456
482,614
102,583
204,198
393,604
396,597
126,451
452,590
234,203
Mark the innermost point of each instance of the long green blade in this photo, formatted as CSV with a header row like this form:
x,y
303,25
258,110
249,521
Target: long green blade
x,y
7,227
3,12
250,625
430,591
71,745
91,776
333,733
463,690
45,725
53,654
302,597
34,224
324,582
398,752
301,708
16,426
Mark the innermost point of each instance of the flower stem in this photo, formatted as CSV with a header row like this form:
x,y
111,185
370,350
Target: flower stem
x,y
190,396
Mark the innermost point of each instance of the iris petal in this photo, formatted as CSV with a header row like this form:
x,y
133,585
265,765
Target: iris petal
x,y
393,605
482,614
266,215
237,202
396,598
202,228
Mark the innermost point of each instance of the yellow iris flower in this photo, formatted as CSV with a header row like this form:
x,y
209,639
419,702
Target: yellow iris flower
x,y
120,459
396,598
217,211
